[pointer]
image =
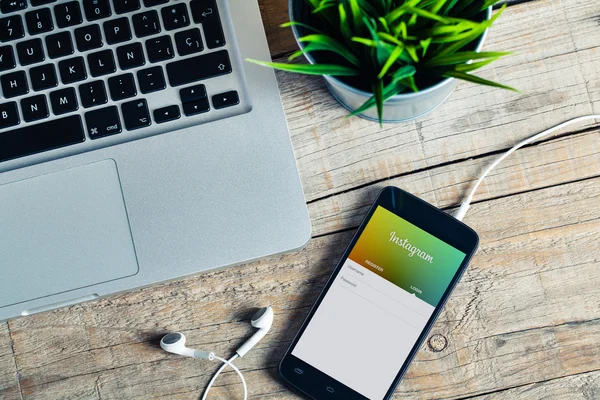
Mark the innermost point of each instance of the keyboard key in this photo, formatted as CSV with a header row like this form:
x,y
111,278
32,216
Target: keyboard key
x,y
43,77
9,115
96,9
39,21
189,42
72,70
121,87
59,45
103,122
152,3
175,16
8,6
68,14
101,63
135,114
88,37
34,108
192,93
130,56
146,23
7,58
14,84
125,6
30,52
196,107
41,137
92,94
151,79
63,101
166,114
159,49
197,68
206,13
117,30
11,28
41,2
227,99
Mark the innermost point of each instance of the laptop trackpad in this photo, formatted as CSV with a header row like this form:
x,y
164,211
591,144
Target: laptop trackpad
x,y
63,231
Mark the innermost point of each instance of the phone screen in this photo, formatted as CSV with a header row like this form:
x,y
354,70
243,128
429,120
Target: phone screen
x,y
378,304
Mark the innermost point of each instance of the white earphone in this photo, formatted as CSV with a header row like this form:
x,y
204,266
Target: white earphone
x,y
175,343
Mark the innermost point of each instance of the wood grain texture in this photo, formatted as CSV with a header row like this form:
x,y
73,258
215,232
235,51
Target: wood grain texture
x,y
9,383
564,159
511,321
584,386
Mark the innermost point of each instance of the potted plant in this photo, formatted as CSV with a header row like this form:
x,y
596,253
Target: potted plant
x,y
391,60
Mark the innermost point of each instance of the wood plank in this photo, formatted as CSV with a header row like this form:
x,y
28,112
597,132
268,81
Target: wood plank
x,y
9,383
556,66
527,310
584,386
274,13
564,159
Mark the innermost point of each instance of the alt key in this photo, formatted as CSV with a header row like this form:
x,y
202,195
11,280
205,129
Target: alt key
x,y
226,99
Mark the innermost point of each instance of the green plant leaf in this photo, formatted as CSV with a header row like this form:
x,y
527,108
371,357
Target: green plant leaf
x,y
390,61
488,4
425,45
412,52
324,5
384,24
365,41
473,66
463,57
404,72
390,38
425,14
476,79
388,92
295,23
344,28
324,42
310,69
357,16
378,93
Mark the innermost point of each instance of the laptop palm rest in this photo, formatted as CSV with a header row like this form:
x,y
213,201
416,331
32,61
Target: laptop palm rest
x,y
63,231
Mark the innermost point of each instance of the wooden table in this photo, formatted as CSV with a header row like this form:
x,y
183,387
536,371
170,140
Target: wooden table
x,y
523,323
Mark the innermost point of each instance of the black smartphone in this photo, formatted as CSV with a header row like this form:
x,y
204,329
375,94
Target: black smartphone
x,y
380,301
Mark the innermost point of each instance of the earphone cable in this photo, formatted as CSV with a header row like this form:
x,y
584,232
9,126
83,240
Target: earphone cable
x,y
464,207
221,368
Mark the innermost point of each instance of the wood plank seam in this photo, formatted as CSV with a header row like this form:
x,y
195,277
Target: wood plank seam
x,y
526,384
556,138
456,162
17,371
567,323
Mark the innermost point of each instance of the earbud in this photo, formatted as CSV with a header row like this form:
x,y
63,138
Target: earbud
x,y
262,319
175,343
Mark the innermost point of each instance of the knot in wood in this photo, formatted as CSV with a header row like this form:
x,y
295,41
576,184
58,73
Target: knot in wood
x,y
437,342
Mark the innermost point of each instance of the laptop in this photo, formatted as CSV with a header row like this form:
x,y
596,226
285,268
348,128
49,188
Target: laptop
x,y
136,147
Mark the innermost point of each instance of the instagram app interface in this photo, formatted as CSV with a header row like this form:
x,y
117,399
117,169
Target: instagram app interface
x,y
379,304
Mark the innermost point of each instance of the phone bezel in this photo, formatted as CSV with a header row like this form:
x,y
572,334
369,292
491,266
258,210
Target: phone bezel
x,y
425,216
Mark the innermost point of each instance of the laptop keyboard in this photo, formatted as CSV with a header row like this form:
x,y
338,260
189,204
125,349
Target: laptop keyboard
x,y
82,75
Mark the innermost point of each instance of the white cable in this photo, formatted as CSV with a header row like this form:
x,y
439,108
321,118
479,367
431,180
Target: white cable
x,y
464,207
225,364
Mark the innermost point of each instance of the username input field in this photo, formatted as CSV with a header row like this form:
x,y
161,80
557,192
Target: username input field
x,y
384,294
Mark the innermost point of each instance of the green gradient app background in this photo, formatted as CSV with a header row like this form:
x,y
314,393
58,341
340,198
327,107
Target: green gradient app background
x,y
398,267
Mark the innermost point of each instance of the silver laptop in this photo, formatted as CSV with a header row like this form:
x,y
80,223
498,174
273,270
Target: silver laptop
x,y
136,146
